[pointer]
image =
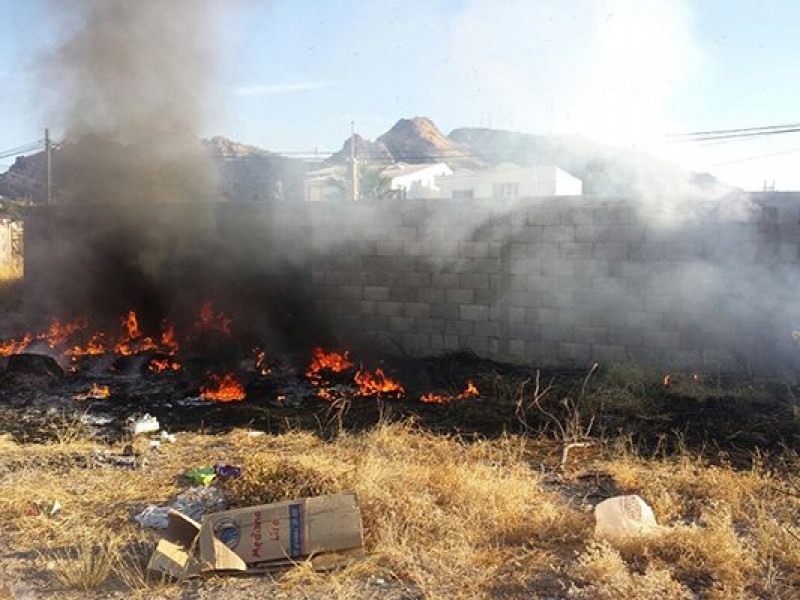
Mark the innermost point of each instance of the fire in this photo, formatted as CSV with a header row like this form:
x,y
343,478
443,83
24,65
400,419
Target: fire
x,y
469,392
223,389
15,346
96,392
169,341
373,384
58,334
94,347
158,365
207,320
322,360
665,381
261,362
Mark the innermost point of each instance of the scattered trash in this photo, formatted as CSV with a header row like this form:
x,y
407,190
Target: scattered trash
x,y
227,471
168,437
123,460
97,419
257,539
254,434
96,392
145,424
48,509
201,475
624,515
154,444
193,502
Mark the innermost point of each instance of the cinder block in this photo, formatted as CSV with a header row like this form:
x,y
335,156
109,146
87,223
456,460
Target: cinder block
x,y
609,354
487,328
402,294
575,353
484,296
367,307
559,233
542,353
474,281
591,335
478,344
389,309
474,312
447,311
459,328
516,348
610,250
430,325
592,233
524,331
660,339
474,249
417,279
557,333
430,295
558,268
349,292
575,250
541,316
416,342
516,315
416,309
460,296
445,280
485,266
573,316
401,324
372,292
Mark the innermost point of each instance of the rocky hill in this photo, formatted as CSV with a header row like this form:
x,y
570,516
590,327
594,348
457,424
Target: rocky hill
x,y
415,140
243,172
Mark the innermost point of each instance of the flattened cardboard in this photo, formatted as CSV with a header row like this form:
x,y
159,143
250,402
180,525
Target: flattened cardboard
x,y
325,530
280,531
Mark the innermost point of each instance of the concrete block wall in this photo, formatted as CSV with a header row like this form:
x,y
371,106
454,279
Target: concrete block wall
x,y
563,281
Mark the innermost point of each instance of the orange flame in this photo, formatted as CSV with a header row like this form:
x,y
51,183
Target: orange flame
x,y
469,392
373,384
261,362
158,365
223,389
15,346
665,381
58,334
169,341
322,360
96,392
207,320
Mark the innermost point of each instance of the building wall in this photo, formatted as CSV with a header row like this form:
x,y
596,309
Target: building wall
x,y
567,282
421,183
546,281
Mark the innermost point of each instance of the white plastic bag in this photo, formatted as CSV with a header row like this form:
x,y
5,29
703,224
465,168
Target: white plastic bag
x,y
623,516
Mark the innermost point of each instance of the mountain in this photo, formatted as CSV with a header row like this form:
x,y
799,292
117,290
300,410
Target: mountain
x,y
243,172
415,140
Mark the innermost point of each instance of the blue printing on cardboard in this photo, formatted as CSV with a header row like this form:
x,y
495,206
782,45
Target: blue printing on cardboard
x,y
295,529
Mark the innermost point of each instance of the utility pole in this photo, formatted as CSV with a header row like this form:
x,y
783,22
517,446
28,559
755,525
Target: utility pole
x,y
49,165
354,191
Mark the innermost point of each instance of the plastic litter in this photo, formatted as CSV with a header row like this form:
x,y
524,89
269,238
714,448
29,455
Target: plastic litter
x,y
193,502
168,437
624,516
145,424
227,471
201,475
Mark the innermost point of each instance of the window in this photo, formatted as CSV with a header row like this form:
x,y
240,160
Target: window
x,y
505,190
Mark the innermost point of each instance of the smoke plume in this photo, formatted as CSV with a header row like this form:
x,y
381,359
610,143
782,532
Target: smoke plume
x,y
129,84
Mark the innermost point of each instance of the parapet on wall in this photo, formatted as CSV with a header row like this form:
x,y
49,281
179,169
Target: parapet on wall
x,y
566,281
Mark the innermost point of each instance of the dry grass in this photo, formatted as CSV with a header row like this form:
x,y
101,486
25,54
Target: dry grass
x,y
443,518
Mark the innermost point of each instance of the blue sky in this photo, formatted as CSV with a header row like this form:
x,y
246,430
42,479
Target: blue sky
x,y
294,73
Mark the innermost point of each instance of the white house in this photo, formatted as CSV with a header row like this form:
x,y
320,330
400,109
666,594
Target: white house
x,y
509,181
416,181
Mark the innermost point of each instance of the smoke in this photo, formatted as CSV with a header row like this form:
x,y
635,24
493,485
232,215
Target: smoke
x,y
129,85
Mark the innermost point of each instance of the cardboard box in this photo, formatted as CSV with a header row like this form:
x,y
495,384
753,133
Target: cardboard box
x,y
325,530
